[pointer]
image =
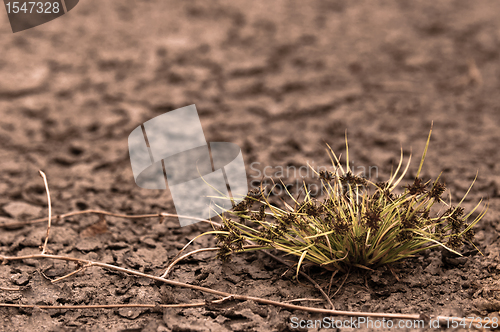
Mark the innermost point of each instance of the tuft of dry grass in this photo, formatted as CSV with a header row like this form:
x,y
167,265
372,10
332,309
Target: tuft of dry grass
x,y
357,223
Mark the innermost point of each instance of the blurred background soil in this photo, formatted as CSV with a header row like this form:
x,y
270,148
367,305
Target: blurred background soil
x,y
278,78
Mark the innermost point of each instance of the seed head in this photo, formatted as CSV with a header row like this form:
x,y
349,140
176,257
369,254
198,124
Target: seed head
x,y
351,179
418,187
437,190
326,175
454,242
469,235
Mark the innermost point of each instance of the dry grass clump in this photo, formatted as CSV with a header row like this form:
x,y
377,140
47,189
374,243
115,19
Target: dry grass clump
x,y
357,223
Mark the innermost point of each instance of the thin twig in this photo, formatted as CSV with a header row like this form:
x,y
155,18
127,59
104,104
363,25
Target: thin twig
x,y
342,284
42,174
113,306
300,300
42,272
212,291
331,280
177,260
69,274
100,212
10,289
393,273
171,265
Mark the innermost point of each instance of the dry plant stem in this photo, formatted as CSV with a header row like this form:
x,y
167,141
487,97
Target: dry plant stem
x,y
178,259
342,284
113,306
301,300
212,291
251,244
10,289
331,280
171,265
106,213
69,274
42,174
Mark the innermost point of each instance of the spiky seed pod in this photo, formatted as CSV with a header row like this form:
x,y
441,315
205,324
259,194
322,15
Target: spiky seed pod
x,y
456,224
361,181
261,215
220,237
341,226
382,190
469,235
410,222
455,218
437,190
232,237
382,185
347,177
289,219
455,213
404,236
229,224
326,175
320,209
311,209
372,217
222,228
236,231
389,196
253,195
237,244
281,230
351,179
454,242
224,254
418,187
241,206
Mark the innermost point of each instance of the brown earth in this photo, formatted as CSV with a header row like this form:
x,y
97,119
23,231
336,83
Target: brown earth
x,y
278,78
